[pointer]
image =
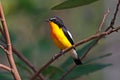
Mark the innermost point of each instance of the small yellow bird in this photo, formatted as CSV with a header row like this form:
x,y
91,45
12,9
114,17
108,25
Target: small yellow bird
x,y
62,37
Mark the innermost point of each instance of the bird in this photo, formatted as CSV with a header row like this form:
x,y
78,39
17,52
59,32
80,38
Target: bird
x,y
62,37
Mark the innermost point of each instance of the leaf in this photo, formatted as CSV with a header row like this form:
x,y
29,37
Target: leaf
x,y
22,66
72,3
56,76
83,50
5,76
80,52
53,72
81,70
85,69
99,57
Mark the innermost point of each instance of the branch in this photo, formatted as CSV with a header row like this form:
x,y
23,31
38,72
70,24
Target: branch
x,y
73,67
66,73
24,59
5,67
103,21
9,47
4,49
114,17
57,55
27,62
84,41
99,30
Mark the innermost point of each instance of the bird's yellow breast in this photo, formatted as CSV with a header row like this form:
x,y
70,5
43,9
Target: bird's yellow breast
x,y
59,37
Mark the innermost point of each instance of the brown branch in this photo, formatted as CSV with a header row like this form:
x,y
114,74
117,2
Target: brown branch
x,y
14,70
83,57
103,21
73,67
90,49
79,43
66,73
5,67
24,59
4,49
114,17
56,56
27,62
101,25
84,41
99,30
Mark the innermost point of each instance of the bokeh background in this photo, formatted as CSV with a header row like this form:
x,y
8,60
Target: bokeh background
x,y
30,33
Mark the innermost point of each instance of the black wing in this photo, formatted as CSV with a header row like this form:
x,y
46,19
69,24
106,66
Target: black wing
x,y
68,34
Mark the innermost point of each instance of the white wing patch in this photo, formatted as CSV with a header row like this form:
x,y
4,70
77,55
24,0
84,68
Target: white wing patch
x,y
70,34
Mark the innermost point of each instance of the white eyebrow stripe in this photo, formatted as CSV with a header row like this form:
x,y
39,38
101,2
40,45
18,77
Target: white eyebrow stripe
x,y
52,18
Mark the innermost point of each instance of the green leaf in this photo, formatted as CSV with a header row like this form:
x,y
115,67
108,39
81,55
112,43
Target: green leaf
x,y
72,3
99,57
23,67
85,48
56,76
80,52
79,71
85,70
51,70
5,76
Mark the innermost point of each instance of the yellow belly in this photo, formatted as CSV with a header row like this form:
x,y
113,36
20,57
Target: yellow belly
x,y
60,40
59,37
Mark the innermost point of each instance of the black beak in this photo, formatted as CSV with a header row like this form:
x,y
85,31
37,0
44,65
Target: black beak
x,y
47,20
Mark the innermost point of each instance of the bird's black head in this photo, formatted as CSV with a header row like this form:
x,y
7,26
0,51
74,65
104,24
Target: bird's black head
x,y
56,20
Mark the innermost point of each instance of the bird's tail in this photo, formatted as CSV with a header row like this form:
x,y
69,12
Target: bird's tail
x,y
75,57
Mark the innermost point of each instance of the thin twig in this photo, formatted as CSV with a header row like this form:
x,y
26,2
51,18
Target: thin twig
x,y
41,77
14,70
79,43
57,55
27,62
66,73
24,59
5,67
99,30
4,49
83,57
103,21
114,17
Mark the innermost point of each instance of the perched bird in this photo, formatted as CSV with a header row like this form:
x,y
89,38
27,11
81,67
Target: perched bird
x,y
62,37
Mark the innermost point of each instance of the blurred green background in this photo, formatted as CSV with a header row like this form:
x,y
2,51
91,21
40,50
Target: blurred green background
x,y
30,33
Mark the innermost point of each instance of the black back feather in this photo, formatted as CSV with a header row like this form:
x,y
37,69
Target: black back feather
x,y
67,35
